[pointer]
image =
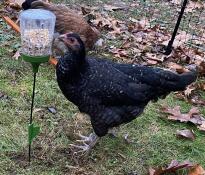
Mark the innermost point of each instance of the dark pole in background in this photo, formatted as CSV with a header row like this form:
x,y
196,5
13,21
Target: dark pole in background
x,y
169,46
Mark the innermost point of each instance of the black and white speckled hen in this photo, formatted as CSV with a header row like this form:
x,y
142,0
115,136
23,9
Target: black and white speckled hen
x,y
111,93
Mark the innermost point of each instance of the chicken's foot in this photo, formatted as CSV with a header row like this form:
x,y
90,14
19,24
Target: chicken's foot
x,y
88,142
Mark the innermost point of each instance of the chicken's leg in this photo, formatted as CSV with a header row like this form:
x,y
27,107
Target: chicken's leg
x,y
87,143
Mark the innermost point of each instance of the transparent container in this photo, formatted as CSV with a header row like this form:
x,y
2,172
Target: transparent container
x,y
37,29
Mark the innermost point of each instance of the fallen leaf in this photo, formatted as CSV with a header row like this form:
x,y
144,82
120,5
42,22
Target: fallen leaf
x,y
196,170
201,68
38,110
197,119
193,6
197,100
202,126
17,55
177,115
157,171
192,116
178,68
155,57
135,4
119,53
127,139
99,42
175,165
186,133
172,168
15,3
52,110
3,95
113,8
189,90
180,39
116,29
200,85
140,24
178,2
126,45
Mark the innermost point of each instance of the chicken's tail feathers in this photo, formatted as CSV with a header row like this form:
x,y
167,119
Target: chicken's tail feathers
x,y
186,79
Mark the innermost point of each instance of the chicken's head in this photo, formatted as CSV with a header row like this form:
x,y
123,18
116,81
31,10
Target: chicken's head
x,y
72,41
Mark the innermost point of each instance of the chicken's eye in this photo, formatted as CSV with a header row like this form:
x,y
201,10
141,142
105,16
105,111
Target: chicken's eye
x,y
72,40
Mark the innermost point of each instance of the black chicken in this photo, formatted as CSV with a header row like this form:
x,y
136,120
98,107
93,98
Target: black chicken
x,y
111,93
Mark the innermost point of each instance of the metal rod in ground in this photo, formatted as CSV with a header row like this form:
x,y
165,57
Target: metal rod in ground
x,y
31,115
169,46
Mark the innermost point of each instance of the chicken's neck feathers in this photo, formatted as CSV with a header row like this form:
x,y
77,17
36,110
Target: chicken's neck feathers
x,y
71,64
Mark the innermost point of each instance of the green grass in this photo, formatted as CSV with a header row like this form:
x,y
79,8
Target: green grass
x,y
153,137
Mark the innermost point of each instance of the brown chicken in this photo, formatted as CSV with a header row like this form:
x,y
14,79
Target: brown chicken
x,y
67,20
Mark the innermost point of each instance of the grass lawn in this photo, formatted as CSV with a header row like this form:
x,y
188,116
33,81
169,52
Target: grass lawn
x,y
153,137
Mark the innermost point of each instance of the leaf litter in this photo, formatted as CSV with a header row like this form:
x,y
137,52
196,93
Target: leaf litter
x,y
146,41
186,133
175,166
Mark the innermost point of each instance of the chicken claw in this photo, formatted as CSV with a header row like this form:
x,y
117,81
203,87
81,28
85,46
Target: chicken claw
x,y
88,142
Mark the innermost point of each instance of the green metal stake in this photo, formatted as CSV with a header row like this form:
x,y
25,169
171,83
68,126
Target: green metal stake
x,y
33,130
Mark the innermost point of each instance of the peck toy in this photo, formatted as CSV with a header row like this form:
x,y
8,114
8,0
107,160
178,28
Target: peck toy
x,y
37,29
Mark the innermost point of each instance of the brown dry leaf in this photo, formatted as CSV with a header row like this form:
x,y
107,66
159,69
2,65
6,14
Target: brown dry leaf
x,y
135,4
193,6
173,167
151,62
104,22
197,119
15,3
114,8
197,100
197,170
119,53
202,126
141,24
126,44
17,55
36,110
178,2
175,113
186,133
101,21
157,171
116,29
201,68
180,39
155,57
200,86
192,116
178,68
189,90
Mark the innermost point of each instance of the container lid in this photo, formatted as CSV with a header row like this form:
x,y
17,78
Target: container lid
x,y
39,14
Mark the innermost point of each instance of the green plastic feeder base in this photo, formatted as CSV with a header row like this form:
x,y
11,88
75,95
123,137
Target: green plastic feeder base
x,y
35,61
